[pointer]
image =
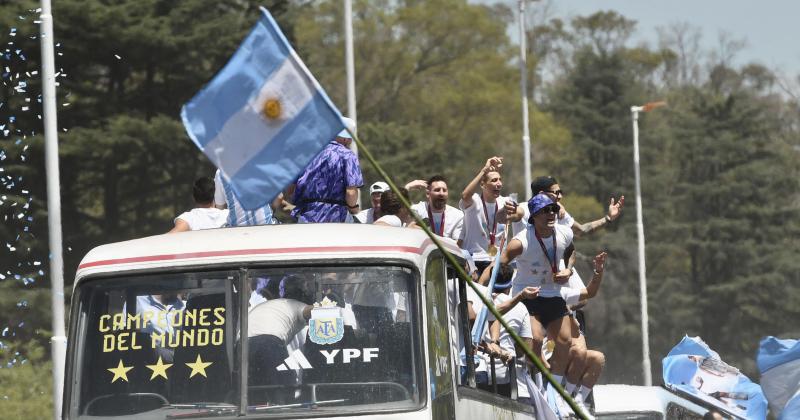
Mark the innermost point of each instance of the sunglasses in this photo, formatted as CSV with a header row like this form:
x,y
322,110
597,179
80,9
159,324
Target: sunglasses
x,y
551,208
557,192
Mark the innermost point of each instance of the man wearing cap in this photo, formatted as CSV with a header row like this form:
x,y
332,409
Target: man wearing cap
x,y
373,213
327,191
443,219
539,253
485,213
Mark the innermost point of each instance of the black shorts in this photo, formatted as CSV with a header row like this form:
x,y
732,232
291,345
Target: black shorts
x,y
547,309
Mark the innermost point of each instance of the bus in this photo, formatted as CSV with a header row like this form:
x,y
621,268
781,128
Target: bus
x,y
280,321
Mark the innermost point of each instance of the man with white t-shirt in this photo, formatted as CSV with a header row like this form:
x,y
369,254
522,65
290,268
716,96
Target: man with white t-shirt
x,y
204,215
485,213
373,213
443,219
539,253
272,325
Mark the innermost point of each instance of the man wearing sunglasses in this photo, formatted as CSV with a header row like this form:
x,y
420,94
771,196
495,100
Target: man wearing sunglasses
x,y
541,274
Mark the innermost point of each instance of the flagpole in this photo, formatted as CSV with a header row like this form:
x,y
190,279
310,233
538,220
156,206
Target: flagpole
x,y
523,84
351,71
646,369
59,338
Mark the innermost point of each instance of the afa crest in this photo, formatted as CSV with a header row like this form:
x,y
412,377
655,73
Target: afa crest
x,y
326,325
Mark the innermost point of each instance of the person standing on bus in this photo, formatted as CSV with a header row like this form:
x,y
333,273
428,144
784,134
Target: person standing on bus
x,y
370,215
224,198
394,213
204,215
485,213
327,191
443,219
539,252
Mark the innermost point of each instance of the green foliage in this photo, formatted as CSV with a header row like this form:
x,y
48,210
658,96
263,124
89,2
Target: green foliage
x,y
26,375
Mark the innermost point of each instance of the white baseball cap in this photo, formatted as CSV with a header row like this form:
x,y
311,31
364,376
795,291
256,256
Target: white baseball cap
x,y
378,187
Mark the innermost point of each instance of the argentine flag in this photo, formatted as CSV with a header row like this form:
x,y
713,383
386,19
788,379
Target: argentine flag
x,y
263,118
693,368
779,364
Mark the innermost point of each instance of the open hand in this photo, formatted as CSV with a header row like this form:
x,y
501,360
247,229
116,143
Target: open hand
x,y
615,208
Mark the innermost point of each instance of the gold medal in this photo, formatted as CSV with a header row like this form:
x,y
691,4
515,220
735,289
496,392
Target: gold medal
x,y
492,250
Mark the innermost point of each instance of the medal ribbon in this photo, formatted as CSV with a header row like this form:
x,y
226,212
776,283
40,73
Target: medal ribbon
x,y
554,262
494,220
439,231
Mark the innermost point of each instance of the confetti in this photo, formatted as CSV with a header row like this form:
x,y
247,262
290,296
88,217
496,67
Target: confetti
x,y
118,57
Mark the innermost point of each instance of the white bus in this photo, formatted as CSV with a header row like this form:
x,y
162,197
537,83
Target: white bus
x,y
285,321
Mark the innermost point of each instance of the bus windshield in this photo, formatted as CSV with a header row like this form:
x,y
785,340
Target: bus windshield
x,y
317,340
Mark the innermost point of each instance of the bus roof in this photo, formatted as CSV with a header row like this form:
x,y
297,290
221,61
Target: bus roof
x,y
259,243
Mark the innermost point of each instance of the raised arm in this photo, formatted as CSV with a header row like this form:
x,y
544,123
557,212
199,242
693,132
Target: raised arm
x,y
594,285
492,164
614,211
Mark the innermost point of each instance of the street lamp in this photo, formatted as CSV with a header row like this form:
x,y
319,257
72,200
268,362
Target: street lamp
x,y
523,84
648,378
58,343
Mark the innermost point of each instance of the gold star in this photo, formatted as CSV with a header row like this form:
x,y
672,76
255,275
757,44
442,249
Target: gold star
x,y
199,366
120,372
159,369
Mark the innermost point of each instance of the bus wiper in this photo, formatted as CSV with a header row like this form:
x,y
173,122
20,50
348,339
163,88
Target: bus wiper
x,y
258,408
207,410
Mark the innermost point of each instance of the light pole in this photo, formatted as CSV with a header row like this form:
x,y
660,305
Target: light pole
x,y
523,84
648,378
58,342
350,68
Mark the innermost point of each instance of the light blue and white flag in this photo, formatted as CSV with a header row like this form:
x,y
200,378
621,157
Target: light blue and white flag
x,y
693,368
263,117
779,363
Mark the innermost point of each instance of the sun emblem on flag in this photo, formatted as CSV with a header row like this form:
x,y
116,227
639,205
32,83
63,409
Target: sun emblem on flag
x,y
272,108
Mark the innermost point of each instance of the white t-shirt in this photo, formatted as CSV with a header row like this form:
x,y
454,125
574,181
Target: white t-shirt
x,y
520,321
477,229
571,293
391,220
204,218
533,266
282,318
453,219
366,216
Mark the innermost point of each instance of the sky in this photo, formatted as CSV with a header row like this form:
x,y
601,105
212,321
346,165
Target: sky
x,y
771,28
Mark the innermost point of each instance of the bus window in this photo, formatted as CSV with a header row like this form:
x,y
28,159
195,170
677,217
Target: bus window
x,y
332,339
156,343
440,370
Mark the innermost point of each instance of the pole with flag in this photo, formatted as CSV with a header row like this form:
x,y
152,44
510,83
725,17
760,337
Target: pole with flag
x,y
646,369
59,340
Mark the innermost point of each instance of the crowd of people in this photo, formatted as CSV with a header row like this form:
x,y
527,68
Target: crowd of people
x,y
538,289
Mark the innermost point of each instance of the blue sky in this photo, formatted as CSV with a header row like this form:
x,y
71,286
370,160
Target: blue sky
x,y
771,28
